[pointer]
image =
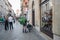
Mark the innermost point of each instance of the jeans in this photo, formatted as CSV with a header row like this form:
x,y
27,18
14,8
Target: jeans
x,y
11,25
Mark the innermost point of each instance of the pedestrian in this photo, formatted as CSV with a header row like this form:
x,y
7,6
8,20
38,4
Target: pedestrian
x,y
25,24
6,23
10,19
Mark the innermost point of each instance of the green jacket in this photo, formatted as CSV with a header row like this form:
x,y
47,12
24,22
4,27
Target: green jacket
x,y
22,20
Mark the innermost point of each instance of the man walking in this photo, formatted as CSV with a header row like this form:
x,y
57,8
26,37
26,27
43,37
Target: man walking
x,y
6,23
10,19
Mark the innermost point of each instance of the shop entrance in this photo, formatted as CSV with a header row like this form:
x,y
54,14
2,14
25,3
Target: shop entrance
x,y
46,17
46,23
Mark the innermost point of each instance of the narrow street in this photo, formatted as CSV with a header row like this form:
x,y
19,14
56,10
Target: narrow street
x,y
43,16
17,34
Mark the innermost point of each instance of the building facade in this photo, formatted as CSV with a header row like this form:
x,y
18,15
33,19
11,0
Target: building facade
x,y
24,6
39,9
5,7
34,13
56,19
52,8
44,15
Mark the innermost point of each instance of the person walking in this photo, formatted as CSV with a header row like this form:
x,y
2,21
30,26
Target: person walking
x,y
10,19
25,24
23,21
6,23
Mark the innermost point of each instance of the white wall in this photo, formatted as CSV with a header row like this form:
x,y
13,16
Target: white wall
x,y
56,19
30,11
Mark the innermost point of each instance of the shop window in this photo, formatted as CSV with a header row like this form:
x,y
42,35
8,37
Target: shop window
x,y
46,23
46,18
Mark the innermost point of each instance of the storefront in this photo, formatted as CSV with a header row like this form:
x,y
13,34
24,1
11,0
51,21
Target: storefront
x,y
46,17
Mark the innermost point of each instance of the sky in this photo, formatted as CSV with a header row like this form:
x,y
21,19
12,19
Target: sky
x,y
15,4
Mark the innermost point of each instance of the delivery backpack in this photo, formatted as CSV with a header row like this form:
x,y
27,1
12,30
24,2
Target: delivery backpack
x,y
22,20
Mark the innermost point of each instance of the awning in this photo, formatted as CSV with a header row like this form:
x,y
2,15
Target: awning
x,y
44,2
